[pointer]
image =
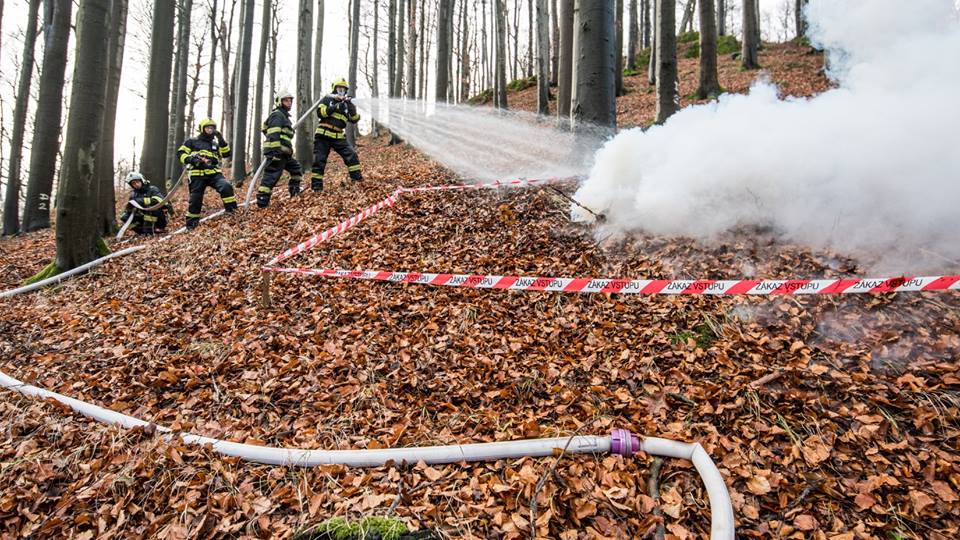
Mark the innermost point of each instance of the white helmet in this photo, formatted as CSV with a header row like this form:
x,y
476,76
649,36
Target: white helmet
x,y
135,176
282,95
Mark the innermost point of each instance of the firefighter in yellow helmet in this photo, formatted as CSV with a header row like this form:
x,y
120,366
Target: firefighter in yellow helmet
x,y
278,149
204,154
335,111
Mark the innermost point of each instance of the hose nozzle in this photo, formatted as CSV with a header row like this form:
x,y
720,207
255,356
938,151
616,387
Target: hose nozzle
x,y
624,443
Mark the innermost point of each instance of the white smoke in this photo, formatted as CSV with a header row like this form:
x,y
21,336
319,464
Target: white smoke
x,y
871,168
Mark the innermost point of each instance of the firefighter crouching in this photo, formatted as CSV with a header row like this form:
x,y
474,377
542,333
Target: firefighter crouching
x,y
278,150
204,153
334,112
145,195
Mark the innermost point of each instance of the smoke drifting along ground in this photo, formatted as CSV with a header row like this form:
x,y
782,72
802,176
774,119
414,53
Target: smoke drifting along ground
x,y
871,168
484,144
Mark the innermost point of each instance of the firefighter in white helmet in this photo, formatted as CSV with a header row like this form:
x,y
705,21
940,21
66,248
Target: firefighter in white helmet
x,y
278,149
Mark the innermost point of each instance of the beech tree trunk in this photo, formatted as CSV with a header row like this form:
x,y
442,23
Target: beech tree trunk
x,y
47,121
500,14
352,78
633,40
180,91
304,138
258,114
721,17
412,49
154,154
401,50
748,54
239,146
107,206
618,51
444,49
667,83
543,58
709,81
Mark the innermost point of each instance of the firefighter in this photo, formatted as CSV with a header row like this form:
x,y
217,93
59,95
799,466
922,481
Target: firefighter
x,y
204,154
335,111
146,195
278,149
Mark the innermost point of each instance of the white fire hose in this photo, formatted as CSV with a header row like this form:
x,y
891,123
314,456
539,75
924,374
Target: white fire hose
x,y
620,442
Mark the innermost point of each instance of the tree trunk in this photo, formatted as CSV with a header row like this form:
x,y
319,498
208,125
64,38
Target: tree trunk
x,y
444,47
47,120
421,91
154,154
257,155
652,67
213,60
401,50
618,51
195,83
667,82
647,27
516,40
634,40
391,46
107,207
303,137
352,78
721,17
180,92
801,23
554,44
412,50
274,33
709,81
77,236
565,81
465,54
530,33
11,204
748,55
239,146
687,22
595,100
501,69
543,58
317,57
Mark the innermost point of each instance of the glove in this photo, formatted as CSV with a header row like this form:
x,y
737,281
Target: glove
x,y
220,140
194,161
170,210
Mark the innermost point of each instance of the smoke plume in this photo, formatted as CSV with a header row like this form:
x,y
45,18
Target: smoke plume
x,y
870,168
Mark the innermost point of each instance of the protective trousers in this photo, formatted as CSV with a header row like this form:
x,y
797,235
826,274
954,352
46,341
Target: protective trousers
x,y
272,173
198,185
321,149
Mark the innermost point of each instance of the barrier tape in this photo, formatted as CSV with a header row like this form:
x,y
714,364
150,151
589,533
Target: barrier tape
x,y
767,287
645,286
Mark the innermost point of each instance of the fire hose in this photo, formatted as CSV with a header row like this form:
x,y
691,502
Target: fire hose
x,y
620,442
151,208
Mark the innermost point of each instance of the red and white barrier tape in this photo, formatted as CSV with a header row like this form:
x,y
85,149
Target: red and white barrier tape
x,y
711,287
646,286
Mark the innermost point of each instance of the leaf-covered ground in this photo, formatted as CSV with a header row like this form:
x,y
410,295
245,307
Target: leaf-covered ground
x,y
828,417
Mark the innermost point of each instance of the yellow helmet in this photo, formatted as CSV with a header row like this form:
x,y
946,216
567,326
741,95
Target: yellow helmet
x,y
204,123
339,82
282,96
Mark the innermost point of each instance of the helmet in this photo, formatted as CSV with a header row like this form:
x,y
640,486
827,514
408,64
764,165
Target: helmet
x,y
339,82
135,176
282,96
204,123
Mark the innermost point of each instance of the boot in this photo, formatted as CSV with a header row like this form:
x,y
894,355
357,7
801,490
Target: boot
x,y
294,188
316,185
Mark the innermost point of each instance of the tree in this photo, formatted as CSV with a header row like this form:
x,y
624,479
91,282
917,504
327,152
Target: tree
x,y
352,77
304,139
47,121
618,52
554,44
686,24
800,21
317,61
633,41
11,204
397,90
153,156
106,218
258,115
721,17
239,145
709,81
176,132
465,53
213,57
391,46
226,32
594,95
500,14
652,66
543,58
412,50
647,27
77,238
748,55
565,81
530,33
666,45
444,48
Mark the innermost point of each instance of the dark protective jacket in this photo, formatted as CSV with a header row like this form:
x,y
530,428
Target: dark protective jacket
x,y
213,149
147,196
279,132
334,116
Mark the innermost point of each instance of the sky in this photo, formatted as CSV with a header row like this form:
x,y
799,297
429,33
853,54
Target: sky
x,y
130,115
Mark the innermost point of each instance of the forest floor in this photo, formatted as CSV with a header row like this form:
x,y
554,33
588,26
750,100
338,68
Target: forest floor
x,y
829,417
